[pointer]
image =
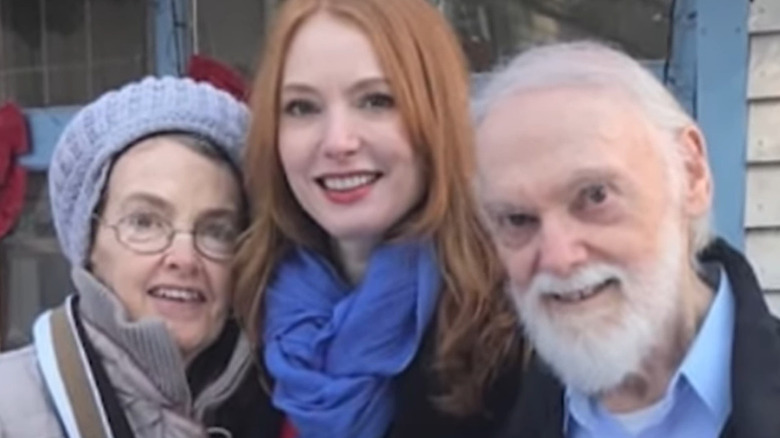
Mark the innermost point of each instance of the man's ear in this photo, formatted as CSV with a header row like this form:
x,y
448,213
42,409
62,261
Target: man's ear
x,y
697,178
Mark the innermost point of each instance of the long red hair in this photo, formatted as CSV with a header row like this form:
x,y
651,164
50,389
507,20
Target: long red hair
x,y
476,331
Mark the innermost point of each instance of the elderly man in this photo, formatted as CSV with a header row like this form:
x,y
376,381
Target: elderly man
x,y
596,189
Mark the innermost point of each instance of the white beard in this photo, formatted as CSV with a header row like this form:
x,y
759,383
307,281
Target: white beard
x,y
595,351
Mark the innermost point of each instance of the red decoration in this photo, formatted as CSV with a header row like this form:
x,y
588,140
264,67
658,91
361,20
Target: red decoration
x,y
288,431
14,141
202,68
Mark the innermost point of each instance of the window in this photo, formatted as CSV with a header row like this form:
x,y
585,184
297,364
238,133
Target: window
x,y
53,53
65,52
490,30
493,30
232,31
35,275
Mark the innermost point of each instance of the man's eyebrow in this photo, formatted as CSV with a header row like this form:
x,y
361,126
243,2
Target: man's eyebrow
x,y
496,206
593,175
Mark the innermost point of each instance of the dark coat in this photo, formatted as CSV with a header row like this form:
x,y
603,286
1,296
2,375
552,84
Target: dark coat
x,y
755,362
416,415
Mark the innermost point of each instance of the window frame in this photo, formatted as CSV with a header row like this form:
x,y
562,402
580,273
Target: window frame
x,y
709,48
171,51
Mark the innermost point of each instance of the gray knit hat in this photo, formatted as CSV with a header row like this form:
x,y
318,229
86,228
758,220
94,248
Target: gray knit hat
x,y
118,119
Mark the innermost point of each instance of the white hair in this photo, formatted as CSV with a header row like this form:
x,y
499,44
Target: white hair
x,y
595,351
594,65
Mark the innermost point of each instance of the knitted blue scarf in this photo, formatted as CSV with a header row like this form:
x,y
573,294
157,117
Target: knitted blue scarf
x,y
334,349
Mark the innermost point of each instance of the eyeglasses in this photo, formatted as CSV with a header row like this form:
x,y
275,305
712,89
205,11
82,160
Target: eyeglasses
x,y
150,233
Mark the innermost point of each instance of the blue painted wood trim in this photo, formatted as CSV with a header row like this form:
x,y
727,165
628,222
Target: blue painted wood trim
x,y
679,73
721,105
45,126
172,42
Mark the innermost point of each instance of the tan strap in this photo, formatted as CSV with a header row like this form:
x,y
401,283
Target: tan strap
x,y
73,367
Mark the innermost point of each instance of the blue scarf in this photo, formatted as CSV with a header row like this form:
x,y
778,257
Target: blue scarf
x,y
334,349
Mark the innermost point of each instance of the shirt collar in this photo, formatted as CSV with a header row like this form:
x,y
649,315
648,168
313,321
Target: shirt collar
x,y
706,367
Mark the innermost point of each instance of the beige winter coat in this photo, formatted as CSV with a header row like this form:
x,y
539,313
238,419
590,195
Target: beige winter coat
x,y
142,363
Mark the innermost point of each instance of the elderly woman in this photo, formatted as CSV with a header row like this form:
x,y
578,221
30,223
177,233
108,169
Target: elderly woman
x,y
147,206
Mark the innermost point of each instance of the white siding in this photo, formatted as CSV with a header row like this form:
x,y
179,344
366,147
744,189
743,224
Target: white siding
x,y
764,73
762,201
763,248
762,204
763,125
765,16
774,303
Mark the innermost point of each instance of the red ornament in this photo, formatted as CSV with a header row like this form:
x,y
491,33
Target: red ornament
x,y
14,142
202,68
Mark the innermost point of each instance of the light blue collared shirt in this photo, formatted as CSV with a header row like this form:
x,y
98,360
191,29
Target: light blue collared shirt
x,y
698,400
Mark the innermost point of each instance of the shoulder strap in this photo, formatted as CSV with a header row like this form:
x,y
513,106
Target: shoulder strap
x,y
112,409
78,384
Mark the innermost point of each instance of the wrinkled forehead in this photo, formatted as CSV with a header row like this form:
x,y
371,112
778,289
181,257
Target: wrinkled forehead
x,y
542,139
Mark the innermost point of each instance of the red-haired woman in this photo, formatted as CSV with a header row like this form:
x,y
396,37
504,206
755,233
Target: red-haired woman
x,y
370,286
